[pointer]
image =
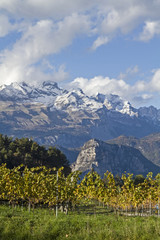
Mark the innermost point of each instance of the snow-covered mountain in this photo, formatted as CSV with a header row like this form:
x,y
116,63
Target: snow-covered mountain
x,y
77,100
51,95
52,115
22,92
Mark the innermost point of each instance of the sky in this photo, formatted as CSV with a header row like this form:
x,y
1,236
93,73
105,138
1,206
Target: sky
x,y
105,46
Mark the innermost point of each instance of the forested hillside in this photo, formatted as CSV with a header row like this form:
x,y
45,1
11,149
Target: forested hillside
x,y
25,151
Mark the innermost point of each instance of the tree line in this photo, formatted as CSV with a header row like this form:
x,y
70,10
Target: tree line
x,y
14,152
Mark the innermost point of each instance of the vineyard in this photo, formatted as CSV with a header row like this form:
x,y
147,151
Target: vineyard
x,y
51,188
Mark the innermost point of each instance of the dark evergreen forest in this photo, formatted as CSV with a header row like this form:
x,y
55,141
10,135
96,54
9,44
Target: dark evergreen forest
x,y
25,151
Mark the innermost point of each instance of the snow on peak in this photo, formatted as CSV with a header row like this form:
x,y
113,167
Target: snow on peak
x,y
51,95
14,90
23,92
50,85
116,103
75,100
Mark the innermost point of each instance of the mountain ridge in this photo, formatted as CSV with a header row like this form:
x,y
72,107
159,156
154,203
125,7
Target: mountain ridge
x,y
101,156
54,116
149,146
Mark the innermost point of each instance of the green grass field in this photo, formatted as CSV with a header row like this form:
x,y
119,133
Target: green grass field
x,y
18,224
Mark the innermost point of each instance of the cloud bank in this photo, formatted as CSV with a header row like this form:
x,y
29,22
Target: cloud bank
x,y
138,94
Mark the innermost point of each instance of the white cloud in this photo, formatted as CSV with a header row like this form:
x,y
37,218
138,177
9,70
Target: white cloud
x,y
155,82
124,20
100,84
150,30
40,40
121,17
6,26
99,42
133,70
40,9
146,96
32,74
129,72
140,100
49,26
60,75
108,16
139,93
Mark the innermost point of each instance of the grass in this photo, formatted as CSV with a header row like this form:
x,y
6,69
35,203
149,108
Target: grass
x,y
42,224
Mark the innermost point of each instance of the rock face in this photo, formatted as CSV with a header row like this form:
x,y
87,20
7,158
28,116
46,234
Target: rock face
x,y
102,156
53,116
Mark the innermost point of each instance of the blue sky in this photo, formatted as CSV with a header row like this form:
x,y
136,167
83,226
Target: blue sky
x,y
105,46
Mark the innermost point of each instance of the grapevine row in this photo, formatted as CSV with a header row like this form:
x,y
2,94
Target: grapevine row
x,y
50,187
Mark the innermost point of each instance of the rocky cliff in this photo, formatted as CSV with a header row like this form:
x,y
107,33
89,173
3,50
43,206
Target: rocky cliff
x,y
115,158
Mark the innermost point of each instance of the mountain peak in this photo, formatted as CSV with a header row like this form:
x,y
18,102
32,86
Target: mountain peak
x,y
70,118
51,95
101,156
23,92
50,84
